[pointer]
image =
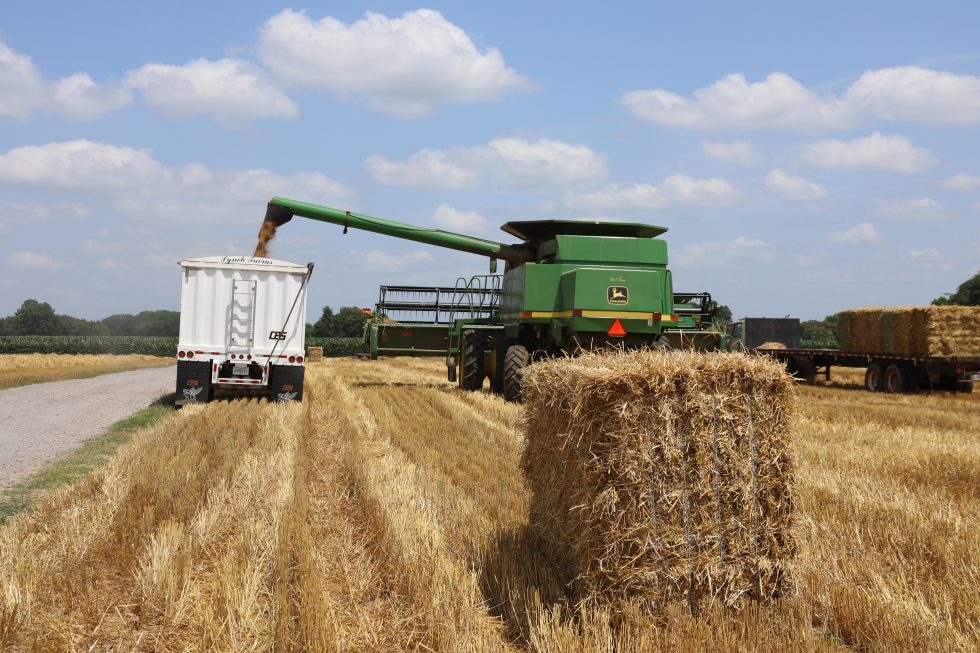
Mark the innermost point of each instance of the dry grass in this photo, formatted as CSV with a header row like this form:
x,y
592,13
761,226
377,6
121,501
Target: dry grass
x,y
388,512
21,369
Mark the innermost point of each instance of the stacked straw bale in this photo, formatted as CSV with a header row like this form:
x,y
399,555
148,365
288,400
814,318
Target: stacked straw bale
x,y
627,475
314,354
911,330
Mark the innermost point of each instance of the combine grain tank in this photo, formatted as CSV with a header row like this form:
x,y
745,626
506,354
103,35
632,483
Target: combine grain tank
x,y
242,327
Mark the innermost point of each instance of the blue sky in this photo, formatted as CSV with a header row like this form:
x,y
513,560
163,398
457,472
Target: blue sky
x,y
805,160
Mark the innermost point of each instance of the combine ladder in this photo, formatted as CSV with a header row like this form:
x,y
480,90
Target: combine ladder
x,y
241,326
478,298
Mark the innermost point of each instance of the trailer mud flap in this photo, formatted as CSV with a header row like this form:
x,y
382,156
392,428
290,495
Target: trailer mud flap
x,y
286,383
193,382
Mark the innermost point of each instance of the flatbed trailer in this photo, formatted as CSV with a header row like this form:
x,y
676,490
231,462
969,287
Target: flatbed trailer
x,y
884,372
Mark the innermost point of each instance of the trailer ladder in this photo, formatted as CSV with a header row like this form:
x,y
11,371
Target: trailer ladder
x,y
241,325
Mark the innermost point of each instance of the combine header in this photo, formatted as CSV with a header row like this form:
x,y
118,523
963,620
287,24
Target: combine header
x,y
567,286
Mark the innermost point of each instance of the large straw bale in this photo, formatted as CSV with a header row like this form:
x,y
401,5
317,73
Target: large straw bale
x,y
911,330
314,354
622,450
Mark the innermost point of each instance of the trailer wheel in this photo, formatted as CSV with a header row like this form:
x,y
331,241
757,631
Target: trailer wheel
x,y
515,361
872,378
896,378
471,368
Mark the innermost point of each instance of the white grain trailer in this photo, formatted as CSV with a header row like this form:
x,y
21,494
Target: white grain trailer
x,y
242,326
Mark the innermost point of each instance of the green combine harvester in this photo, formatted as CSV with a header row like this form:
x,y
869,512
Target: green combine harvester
x,y
567,286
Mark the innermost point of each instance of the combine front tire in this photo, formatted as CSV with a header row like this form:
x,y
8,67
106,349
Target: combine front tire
x,y
516,359
471,353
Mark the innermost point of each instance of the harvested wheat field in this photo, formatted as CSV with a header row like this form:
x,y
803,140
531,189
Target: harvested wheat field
x,y
389,512
20,369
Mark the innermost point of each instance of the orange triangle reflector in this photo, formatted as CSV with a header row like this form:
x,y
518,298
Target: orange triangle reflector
x,y
616,329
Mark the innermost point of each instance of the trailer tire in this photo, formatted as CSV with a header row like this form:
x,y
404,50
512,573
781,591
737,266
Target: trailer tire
x,y
515,361
873,378
286,383
471,363
895,379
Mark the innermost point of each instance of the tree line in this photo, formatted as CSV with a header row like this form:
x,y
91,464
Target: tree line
x,y
36,318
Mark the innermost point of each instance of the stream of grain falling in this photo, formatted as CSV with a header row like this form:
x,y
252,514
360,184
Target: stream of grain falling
x,y
266,234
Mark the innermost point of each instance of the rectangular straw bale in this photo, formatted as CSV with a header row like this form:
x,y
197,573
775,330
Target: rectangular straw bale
x,y
911,330
626,475
314,354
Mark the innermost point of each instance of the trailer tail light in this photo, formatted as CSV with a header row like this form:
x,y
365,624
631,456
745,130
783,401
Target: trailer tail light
x,y
616,330
292,359
190,354
180,354
299,359
250,356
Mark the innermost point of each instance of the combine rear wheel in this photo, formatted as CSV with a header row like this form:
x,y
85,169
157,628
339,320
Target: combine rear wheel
x,y
500,345
872,378
515,361
471,370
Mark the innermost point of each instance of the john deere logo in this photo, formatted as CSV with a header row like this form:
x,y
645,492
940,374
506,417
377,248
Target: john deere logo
x,y
617,295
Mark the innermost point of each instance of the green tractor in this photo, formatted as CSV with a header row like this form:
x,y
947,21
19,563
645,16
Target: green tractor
x,y
568,286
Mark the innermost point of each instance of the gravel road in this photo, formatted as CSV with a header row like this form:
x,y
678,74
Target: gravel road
x,y
40,422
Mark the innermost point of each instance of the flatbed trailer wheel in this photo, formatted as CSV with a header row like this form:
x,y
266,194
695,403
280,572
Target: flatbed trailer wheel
x,y
873,378
471,363
515,361
895,379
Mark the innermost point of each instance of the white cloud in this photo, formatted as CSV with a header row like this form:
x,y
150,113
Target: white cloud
x,y
12,212
740,249
924,208
512,161
424,169
23,90
863,234
230,90
924,254
788,187
906,93
452,219
961,182
674,190
136,184
79,97
402,66
930,259
892,153
31,261
737,152
379,260
914,94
